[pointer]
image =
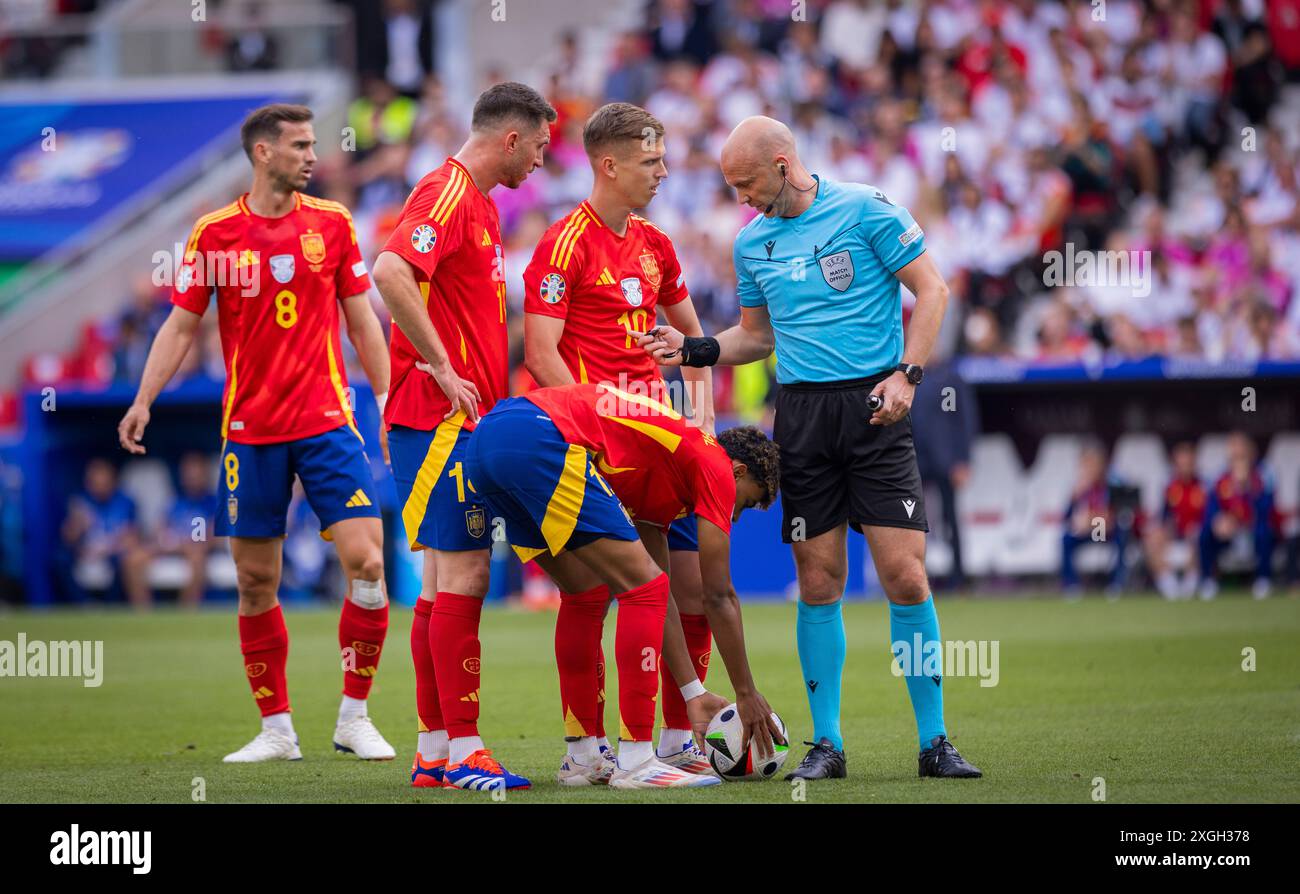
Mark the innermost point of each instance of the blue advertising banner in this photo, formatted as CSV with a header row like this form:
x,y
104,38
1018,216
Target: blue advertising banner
x,y
66,167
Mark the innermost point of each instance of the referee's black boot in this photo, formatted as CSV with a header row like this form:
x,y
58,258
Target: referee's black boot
x,y
943,761
823,761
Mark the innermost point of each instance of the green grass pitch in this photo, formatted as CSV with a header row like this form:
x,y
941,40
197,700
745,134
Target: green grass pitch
x,y
1150,696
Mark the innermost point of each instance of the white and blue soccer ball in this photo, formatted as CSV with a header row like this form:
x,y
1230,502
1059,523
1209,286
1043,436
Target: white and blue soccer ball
x,y
722,745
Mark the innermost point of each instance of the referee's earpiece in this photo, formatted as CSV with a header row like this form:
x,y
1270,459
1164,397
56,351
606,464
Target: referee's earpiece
x,y
782,167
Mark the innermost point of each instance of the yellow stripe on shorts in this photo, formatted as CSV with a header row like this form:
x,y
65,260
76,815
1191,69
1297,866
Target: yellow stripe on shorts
x,y
566,502
444,439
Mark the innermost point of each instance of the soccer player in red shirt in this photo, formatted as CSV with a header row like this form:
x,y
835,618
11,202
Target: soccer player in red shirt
x,y
1170,540
599,274
280,265
534,460
442,277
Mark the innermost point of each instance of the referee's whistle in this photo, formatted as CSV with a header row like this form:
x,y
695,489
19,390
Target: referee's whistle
x,y
875,402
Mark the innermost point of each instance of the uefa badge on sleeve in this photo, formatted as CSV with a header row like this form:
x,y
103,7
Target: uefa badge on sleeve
x,y
232,508
552,288
422,239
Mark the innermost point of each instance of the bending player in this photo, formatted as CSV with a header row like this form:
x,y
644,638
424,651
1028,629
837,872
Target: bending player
x,y
534,461
285,412
598,275
442,277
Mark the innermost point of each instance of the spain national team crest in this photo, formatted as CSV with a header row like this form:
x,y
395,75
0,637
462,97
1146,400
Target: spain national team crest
x,y
632,290
650,266
552,288
313,249
232,508
476,522
837,270
282,268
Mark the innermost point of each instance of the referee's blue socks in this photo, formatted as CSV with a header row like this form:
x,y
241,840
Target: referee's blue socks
x,y
820,634
924,688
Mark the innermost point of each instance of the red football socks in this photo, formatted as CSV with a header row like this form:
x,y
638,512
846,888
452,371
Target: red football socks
x,y
426,680
453,637
699,641
579,660
361,640
638,641
264,641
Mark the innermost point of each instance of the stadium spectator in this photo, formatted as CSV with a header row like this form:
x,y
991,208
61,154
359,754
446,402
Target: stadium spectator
x,y
102,541
253,47
188,526
1089,518
1239,518
1170,542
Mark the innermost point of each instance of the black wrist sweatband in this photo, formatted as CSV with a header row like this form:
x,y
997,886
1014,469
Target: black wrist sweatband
x,y
700,350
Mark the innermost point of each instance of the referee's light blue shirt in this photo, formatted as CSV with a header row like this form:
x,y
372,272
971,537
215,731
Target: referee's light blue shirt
x,y
827,279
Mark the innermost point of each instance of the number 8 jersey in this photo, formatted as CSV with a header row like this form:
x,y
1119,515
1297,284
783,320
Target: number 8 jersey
x,y
278,283
604,287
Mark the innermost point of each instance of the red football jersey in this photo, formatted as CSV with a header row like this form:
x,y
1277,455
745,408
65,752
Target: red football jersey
x,y
278,283
605,287
660,466
448,226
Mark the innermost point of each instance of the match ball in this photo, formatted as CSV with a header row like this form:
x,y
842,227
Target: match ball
x,y
722,744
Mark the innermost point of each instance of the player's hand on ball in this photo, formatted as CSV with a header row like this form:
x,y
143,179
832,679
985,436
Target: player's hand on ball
x,y
897,394
756,715
130,431
663,343
702,709
462,393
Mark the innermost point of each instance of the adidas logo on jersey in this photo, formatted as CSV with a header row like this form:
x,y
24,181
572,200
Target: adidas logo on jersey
x,y
472,697
605,279
358,499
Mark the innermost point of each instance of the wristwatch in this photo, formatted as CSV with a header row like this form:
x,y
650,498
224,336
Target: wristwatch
x,y
913,372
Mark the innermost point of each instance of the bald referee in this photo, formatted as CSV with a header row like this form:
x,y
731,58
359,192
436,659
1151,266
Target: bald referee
x,y
817,276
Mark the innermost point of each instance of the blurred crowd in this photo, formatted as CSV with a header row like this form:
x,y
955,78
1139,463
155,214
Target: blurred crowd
x,y
1203,531
1011,130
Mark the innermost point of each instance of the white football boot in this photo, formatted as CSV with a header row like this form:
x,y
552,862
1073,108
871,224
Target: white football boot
x,y
268,745
654,773
573,772
360,737
690,760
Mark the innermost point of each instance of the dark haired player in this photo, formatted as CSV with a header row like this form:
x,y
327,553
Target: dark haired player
x,y
534,460
442,276
280,265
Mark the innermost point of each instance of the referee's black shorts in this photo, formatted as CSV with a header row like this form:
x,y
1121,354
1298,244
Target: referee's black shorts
x,y
836,467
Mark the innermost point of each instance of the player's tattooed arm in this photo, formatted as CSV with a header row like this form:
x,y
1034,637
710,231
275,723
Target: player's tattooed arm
x,y
169,348
542,350
699,380
923,280
395,279
722,607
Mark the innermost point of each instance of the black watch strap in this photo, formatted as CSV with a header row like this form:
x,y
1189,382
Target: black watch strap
x,y
913,372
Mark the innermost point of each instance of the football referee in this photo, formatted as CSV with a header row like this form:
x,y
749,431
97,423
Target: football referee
x,y
817,277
